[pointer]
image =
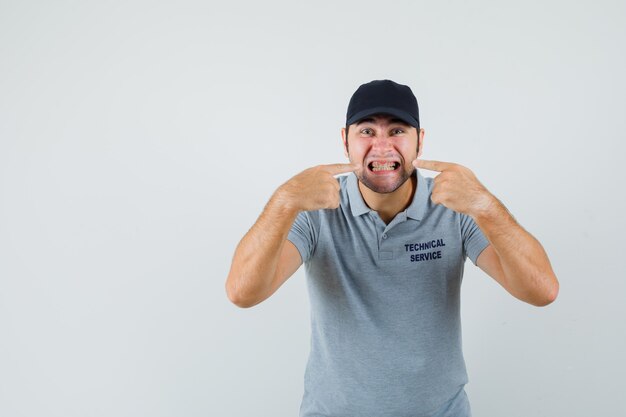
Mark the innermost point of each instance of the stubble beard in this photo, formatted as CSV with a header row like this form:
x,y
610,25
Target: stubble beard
x,y
369,180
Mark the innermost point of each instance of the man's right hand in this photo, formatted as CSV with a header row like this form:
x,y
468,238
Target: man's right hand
x,y
314,188
264,258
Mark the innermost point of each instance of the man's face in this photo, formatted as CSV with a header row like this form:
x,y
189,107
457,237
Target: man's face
x,y
385,147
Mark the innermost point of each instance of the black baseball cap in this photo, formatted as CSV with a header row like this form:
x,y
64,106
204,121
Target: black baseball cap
x,y
383,97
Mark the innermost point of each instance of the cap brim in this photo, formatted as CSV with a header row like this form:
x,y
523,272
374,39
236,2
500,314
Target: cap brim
x,y
384,110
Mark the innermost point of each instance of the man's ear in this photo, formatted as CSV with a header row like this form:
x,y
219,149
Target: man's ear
x,y
420,142
344,139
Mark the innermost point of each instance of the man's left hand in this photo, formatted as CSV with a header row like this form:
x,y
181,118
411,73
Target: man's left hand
x,y
457,188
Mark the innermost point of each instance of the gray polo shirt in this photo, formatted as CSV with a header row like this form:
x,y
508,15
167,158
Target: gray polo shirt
x,y
385,306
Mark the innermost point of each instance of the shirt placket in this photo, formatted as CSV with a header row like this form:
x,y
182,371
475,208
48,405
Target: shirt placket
x,y
383,234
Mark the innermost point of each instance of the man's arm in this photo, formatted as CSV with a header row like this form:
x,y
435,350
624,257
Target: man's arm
x,y
515,258
256,259
264,259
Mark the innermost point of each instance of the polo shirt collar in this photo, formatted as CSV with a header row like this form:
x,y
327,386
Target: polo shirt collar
x,y
416,209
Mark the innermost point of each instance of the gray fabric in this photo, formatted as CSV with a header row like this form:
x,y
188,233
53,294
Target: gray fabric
x,y
385,307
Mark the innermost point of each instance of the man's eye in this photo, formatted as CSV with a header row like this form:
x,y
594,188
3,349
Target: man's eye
x,y
366,131
398,130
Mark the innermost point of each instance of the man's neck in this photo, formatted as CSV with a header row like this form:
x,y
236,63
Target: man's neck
x,y
388,205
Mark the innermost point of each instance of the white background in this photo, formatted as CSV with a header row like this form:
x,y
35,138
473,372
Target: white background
x,y
139,141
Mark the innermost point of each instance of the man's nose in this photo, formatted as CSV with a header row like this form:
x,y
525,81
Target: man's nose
x,y
382,142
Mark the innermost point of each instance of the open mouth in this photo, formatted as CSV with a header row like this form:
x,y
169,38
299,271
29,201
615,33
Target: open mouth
x,y
383,166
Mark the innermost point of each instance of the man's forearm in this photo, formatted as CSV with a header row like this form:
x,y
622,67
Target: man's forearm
x,y
524,262
256,257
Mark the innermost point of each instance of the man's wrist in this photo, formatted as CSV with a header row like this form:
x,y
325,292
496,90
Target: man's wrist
x,y
488,208
282,203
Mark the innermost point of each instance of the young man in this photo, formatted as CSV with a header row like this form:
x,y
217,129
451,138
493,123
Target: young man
x,y
384,250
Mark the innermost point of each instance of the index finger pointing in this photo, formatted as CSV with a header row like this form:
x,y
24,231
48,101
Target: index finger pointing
x,y
432,165
335,169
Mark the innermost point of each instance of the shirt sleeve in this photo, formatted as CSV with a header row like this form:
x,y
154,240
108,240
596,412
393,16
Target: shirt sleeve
x,y
303,235
474,241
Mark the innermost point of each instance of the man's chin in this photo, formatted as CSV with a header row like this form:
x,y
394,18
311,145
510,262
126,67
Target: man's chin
x,y
382,185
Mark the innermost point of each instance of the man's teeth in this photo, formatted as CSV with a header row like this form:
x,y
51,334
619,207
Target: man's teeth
x,y
383,167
